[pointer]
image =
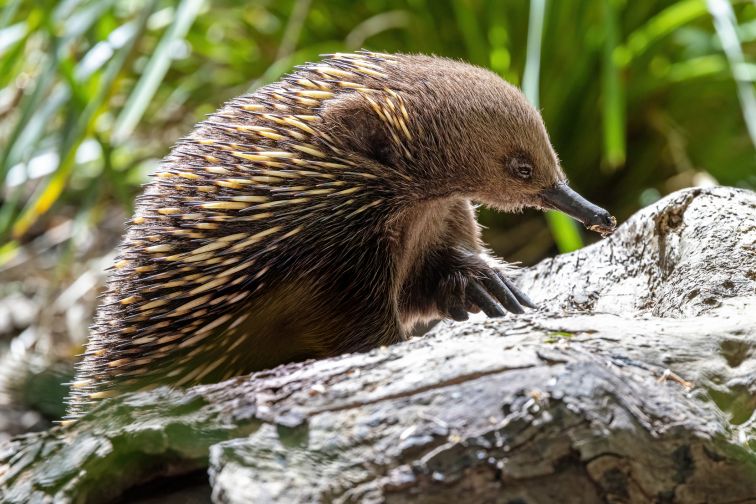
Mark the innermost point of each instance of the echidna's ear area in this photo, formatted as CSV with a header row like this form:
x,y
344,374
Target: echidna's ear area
x,y
350,119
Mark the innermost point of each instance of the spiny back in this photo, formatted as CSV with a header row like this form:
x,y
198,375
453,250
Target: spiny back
x,y
232,211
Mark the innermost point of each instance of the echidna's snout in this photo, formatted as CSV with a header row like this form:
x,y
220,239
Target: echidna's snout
x,y
561,197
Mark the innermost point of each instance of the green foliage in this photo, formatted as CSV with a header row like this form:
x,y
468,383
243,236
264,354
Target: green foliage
x,y
640,97
564,230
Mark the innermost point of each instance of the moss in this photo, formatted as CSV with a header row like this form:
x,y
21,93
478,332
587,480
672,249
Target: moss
x,y
555,336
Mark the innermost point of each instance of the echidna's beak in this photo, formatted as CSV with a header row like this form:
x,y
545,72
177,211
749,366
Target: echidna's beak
x,y
561,197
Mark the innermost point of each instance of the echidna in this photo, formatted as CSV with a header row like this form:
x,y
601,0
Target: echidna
x,y
326,213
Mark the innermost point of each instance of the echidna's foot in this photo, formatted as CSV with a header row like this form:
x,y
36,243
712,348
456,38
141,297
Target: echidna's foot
x,y
482,288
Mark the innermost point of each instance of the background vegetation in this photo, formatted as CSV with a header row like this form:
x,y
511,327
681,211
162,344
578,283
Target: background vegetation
x,y
641,98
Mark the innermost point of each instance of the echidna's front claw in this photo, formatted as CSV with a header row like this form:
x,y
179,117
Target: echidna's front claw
x,y
494,293
521,296
483,299
496,286
458,313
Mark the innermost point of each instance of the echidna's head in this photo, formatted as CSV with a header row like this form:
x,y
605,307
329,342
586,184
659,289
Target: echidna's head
x,y
468,133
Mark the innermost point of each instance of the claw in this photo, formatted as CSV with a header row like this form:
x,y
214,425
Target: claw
x,y
478,295
458,313
521,296
501,292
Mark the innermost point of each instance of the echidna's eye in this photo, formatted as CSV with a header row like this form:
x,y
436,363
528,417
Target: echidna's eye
x,y
524,171
519,165
521,168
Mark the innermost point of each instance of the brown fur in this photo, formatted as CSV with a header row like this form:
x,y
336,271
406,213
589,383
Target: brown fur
x,y
326,213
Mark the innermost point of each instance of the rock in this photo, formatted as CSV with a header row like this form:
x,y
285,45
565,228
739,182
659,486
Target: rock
x,y
635,383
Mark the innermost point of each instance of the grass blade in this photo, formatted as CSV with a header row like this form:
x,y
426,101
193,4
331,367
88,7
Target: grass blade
x,y
293,28
725,25
613,101
565,232
563,229
44,198
391,20
9,12
471,32
532,72
140,98
36,110
666,22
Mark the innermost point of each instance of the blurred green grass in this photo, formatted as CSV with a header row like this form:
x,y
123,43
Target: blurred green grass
x,y
641,98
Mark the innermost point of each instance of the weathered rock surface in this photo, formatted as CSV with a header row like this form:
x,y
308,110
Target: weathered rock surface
x,y
635,383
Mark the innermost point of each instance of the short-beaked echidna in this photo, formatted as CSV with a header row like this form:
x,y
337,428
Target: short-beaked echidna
x,y
326,213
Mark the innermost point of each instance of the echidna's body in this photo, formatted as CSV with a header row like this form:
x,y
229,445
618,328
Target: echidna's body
x,y
322,214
